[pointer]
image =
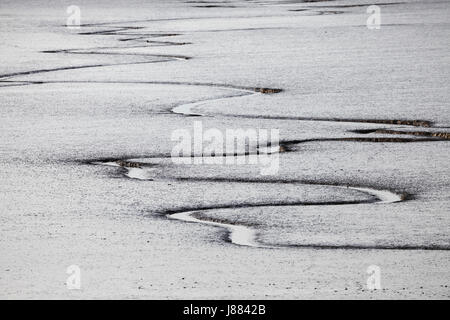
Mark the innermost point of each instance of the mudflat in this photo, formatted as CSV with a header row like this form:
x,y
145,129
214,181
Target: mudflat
x,y
358,177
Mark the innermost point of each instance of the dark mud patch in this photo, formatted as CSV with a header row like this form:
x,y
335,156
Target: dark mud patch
x,y
287,144
436,135
265,204
129,164
414,123
388,140
214,6
366,247
268,90
123,162
343,184
339,6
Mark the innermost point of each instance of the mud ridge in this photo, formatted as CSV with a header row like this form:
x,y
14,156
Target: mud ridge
x,y
246,235
438,135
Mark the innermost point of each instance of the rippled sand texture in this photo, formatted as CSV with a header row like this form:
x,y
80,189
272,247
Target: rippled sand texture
x,y
87,177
